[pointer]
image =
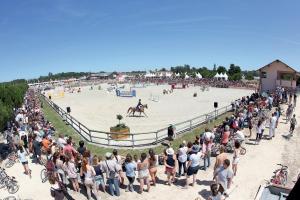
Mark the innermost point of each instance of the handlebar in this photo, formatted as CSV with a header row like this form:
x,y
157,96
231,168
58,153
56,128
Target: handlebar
x,y
283,166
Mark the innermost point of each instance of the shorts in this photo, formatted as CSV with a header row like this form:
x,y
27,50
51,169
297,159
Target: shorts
x,y
130,179
25,163
99,180
192,170
170,170
292,127
235,161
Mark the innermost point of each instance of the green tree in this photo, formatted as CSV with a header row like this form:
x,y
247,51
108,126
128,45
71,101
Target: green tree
x,y
221,69
119,117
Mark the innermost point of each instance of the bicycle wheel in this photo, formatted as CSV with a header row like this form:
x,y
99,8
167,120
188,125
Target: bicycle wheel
x,y
12,188
44,175
9,163
284,178
10,198
2,183
243,151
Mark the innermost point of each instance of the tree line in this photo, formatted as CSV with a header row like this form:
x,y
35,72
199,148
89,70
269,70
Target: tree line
x,y
234,72
11,96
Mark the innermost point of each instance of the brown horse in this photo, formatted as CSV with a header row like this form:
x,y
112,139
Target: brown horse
x,y
135,109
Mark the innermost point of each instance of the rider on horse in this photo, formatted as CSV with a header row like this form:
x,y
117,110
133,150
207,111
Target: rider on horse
x,y
139,105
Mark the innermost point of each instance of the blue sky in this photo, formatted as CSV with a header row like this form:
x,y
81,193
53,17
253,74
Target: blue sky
x,y
41,36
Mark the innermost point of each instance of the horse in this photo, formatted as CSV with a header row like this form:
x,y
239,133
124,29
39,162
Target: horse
x,y
140,110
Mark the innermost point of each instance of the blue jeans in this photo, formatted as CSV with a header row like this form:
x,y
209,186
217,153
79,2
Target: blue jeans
x,y
207,158
113,185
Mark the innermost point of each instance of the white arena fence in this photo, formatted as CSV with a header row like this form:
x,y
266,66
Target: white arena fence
x,y
140,140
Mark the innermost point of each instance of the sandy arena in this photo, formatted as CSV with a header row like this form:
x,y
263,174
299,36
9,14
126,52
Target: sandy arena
x,y
97,109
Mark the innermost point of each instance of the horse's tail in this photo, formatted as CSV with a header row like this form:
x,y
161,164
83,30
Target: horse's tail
x,y
129,109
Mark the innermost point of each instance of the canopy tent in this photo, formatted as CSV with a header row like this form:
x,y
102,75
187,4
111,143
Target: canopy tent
x,y
225,76
198,75
217,75
168,74
186,76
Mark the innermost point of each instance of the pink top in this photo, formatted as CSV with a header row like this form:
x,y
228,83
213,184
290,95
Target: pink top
x,y
68,149
225,137
206,147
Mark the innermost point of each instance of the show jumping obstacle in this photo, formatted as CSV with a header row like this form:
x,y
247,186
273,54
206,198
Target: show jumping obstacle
x,y
179,86
154,98
131,93
139,85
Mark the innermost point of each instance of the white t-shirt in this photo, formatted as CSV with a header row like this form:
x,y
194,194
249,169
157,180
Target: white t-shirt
x,y
239,135
273,122
21,133
182,154
207,136
118,159
195,159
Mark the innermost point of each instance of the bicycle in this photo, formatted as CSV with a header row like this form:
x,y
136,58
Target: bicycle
x,y
10,183
280,176
12,159
10,198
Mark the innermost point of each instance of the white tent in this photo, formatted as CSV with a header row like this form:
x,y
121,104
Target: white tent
x,y
198,75
186,76
225,76
177,74
148,75
217,75
168,74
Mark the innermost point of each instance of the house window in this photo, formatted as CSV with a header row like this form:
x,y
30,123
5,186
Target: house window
x,y
263,74
286,77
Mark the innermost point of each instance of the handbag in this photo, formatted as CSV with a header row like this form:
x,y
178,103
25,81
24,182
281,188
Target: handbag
x,y
111,174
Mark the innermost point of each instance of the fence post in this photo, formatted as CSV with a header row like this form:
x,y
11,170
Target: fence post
x,y
108,139
79,128
132,140
156,137
190,124
90,134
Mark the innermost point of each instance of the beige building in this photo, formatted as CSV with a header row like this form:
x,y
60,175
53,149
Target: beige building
x,y
277,73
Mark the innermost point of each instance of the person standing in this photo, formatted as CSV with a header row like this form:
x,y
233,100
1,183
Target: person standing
x,y
89,175
143,173
23,159
130,168
250,126
295,100
37,149
272,125
207,138
112,170
193,164
223,176
293,124
220,158
118,159
170,165
69,167
236,156
153,162
182,158
259,130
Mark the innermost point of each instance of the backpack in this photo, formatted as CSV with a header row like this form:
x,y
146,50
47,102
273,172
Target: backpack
x,y
50,165
112,173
